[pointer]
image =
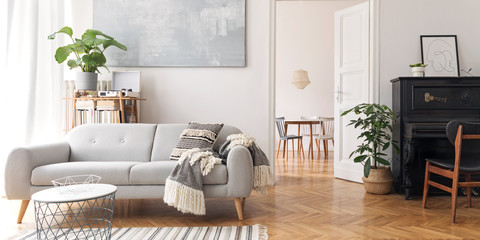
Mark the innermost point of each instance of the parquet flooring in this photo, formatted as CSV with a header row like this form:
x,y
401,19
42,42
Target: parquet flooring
x,y
307,203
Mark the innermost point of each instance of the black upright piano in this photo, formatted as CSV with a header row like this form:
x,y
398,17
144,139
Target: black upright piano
x,y
424,106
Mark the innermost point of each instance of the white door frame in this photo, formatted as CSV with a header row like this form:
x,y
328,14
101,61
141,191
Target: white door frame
x,y
374,66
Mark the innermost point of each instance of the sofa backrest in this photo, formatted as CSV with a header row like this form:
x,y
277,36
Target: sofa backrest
x,y
111,142
167,136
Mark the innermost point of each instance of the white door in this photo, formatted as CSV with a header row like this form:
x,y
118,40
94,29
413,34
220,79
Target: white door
x,y
352,84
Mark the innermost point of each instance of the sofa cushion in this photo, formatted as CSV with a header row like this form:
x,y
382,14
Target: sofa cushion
x,y
111,142
166,137
196,135
157,172
111,172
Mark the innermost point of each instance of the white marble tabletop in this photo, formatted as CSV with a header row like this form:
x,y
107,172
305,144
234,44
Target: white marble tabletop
x,y
73,193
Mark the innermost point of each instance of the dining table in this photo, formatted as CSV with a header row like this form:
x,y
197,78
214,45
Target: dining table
x,y
304,122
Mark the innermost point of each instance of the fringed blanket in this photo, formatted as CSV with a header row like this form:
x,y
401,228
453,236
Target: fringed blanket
x,y
183,188
262,172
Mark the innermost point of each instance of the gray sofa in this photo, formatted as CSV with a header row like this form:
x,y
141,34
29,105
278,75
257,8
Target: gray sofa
x,y
134,157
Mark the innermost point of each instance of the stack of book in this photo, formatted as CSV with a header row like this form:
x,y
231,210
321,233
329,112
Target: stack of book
x,y
109,105
103,111
85,105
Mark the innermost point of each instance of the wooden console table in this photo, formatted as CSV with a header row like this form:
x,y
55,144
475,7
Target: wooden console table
x,y
121,103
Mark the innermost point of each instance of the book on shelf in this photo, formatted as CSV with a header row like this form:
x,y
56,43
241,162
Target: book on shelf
x,y
110,105
85,104
88,110
96,116
107,103
116,108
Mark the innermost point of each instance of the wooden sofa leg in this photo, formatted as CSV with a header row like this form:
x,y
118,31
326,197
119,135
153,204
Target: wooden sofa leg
x,y
23,209
238,205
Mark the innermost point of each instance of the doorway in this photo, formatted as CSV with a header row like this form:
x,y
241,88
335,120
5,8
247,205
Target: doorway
x,y
303,38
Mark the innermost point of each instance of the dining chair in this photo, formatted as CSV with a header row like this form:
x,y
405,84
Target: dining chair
x,y
305,130
280,122
326,133
465,136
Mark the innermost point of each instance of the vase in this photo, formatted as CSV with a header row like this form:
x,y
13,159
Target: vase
x,y
418,71
379,181
86,80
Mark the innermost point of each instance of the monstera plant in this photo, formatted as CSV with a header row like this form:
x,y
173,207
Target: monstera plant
x,y
87,54
376,123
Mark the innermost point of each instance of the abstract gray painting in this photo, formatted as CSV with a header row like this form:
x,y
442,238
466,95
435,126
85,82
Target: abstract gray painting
x,y
173,33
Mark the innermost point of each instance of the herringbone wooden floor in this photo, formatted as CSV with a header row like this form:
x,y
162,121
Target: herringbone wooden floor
x,y
307,203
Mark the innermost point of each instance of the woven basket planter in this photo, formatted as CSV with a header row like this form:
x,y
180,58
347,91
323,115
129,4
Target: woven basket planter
x,y
379,181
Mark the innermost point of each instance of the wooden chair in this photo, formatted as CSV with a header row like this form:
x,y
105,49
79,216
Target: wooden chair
x,y
466,138
326,133
305,130
280,122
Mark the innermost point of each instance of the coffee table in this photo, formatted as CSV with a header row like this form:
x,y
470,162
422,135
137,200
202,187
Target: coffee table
x,y
75,212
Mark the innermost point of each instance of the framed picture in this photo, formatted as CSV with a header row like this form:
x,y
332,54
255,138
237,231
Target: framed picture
x,y
440,53
174,33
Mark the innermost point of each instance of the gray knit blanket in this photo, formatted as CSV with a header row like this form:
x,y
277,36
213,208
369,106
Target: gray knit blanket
x,y
183,188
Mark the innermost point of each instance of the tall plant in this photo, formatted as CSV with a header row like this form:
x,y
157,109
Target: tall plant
x,y
376,122
88,51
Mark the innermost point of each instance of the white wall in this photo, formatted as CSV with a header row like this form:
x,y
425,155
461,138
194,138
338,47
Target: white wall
x,y
234,96
304,40
402,23
239,96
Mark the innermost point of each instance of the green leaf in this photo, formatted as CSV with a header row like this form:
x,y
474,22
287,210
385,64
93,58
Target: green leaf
x,y
91,40
346,112
77,47
62,53
94,59
360,158
111,42
72,64
382,161
96,32
66,30
366,168
369,110
396,147
385,147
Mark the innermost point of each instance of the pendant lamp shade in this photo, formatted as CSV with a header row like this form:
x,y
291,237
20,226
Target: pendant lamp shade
x,y
300,79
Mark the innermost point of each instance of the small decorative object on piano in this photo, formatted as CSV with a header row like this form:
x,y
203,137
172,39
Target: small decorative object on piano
x,y
376,122
418,69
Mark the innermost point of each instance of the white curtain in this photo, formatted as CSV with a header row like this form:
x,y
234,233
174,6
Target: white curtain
x,y
30,79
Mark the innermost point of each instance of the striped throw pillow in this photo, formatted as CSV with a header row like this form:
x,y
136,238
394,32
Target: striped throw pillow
x,y
196,135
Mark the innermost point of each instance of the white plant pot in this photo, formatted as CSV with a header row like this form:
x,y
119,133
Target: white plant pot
x,y
86,80
418,71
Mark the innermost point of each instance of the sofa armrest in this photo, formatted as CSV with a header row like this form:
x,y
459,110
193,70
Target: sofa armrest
x,y
21,162
240,172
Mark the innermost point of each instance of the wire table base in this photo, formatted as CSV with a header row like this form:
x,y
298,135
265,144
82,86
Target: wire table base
x,y
82,219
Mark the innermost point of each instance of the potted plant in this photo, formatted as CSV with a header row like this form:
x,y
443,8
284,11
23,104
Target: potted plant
x,y
376,122
418,69
88,55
